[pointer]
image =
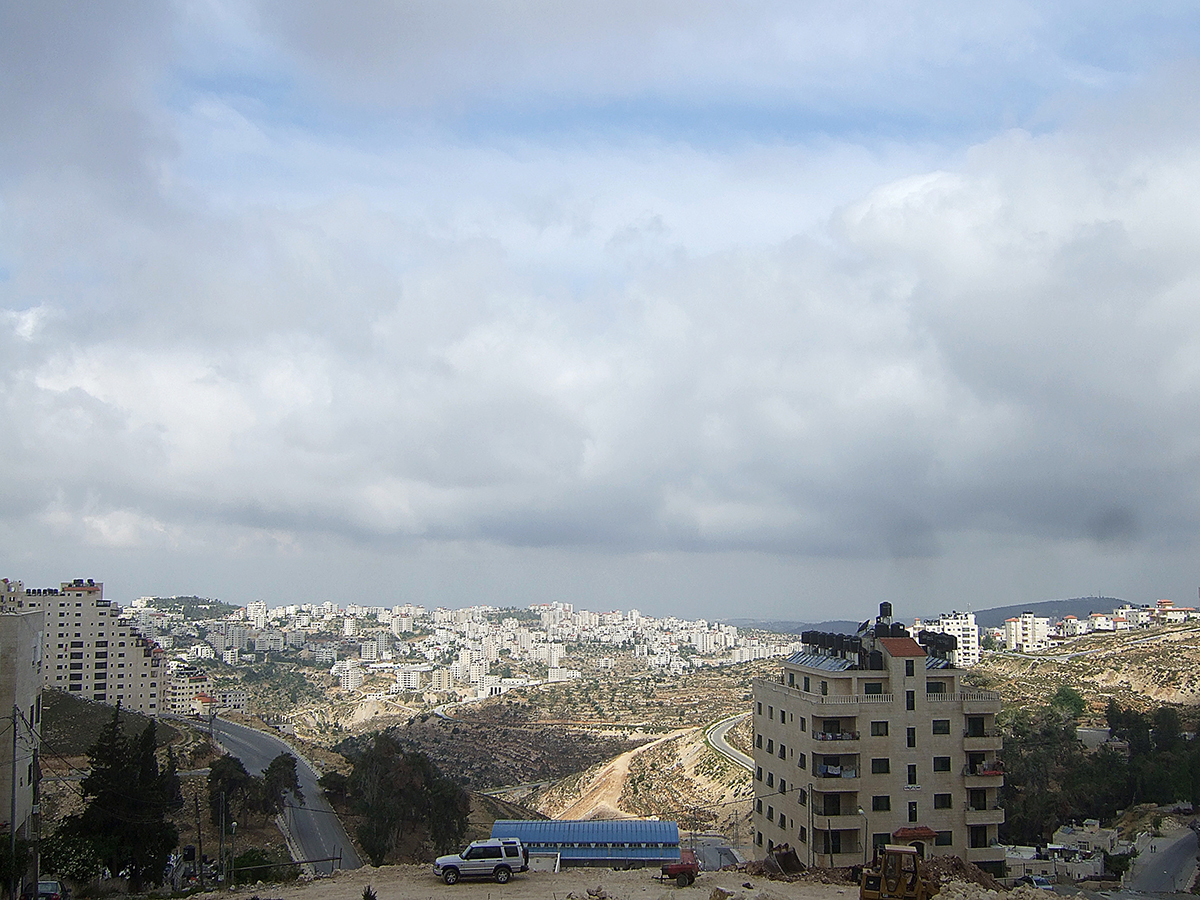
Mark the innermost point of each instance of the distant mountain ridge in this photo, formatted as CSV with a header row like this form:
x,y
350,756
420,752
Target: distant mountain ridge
x,y
984,618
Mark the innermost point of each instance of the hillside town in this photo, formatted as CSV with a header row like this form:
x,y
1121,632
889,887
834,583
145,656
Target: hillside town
x,y
893,742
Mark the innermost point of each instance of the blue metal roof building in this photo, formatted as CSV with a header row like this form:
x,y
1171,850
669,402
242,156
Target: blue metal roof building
x,y
596,842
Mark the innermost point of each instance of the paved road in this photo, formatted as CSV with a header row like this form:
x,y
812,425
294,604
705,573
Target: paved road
x,y
314,826
715,735
1169,868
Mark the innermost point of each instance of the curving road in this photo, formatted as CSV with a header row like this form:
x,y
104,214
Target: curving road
x,y
1168,868
715,735
315,827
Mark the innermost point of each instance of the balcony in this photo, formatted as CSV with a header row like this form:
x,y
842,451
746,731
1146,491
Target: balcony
x,y
837,823
973,702
774,687
832,736
985,854
986,776
835,772
990,740
993,816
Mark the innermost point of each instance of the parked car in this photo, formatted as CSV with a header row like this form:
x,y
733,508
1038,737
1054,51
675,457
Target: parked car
x,y
1041,882
47,889
495,858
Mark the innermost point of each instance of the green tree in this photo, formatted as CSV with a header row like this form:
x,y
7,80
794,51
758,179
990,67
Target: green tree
x,y
1069,701
278,780
395,791
228,781
123,824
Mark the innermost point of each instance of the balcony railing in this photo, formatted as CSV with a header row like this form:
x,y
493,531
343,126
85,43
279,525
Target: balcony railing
x,y
835,736
835,772
824,699
962,696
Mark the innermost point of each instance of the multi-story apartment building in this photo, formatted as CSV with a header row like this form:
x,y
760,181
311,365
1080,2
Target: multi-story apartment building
x,y
963,627
871,739
21,642
1026,633
87,649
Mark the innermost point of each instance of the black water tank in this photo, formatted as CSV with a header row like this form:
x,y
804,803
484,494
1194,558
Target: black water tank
x,y
885,610
876,661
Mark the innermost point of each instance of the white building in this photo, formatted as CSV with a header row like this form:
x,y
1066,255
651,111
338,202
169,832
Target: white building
x,y
87,649
1027,633
963,627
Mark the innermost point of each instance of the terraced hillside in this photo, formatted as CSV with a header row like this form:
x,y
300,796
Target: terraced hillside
x,y
1141,669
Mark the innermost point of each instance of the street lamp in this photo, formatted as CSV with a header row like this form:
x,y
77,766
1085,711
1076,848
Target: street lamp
x,y
866,833
232,854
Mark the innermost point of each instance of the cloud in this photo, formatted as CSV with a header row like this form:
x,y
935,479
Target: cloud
x,y
243,337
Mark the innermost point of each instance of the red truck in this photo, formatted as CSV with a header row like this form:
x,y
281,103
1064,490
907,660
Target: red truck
x,y
684,872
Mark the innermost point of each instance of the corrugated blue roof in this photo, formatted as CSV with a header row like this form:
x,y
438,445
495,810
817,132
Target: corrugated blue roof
x,y
592,831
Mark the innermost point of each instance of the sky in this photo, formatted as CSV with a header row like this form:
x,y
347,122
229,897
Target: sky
x,y
712,309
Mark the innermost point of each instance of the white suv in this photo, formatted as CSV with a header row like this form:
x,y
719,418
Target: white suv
x,y
493,858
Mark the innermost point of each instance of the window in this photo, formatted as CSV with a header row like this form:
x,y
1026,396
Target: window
x,y
912,774
912,811
758,774
770,745
782,786
941,726
881,766
782,752
824,688
758,806
802,760
910,700
911,737
944,838
881,804
910,668
975,726
941,764
770,814
758,741
770,779
873,687
758,838
942,801
802,797
879,729
771,713
806,686
759,709
935,687
803,724
803,835
791,679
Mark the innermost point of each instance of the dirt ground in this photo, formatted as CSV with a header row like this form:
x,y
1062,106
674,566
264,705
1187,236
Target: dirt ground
x,y
419,883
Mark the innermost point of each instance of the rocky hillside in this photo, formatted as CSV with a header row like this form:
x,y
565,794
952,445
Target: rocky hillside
x,y
677,777
1141,669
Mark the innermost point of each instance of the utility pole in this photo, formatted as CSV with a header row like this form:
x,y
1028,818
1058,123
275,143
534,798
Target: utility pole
x,y
199,840
221,840
12,814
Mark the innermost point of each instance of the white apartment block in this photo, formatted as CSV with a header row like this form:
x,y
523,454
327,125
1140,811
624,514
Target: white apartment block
x,y
87,649
871,739
1027,633
963,627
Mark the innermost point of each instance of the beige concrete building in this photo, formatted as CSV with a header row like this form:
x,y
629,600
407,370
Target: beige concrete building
x,y
872,738
87,649
20,704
